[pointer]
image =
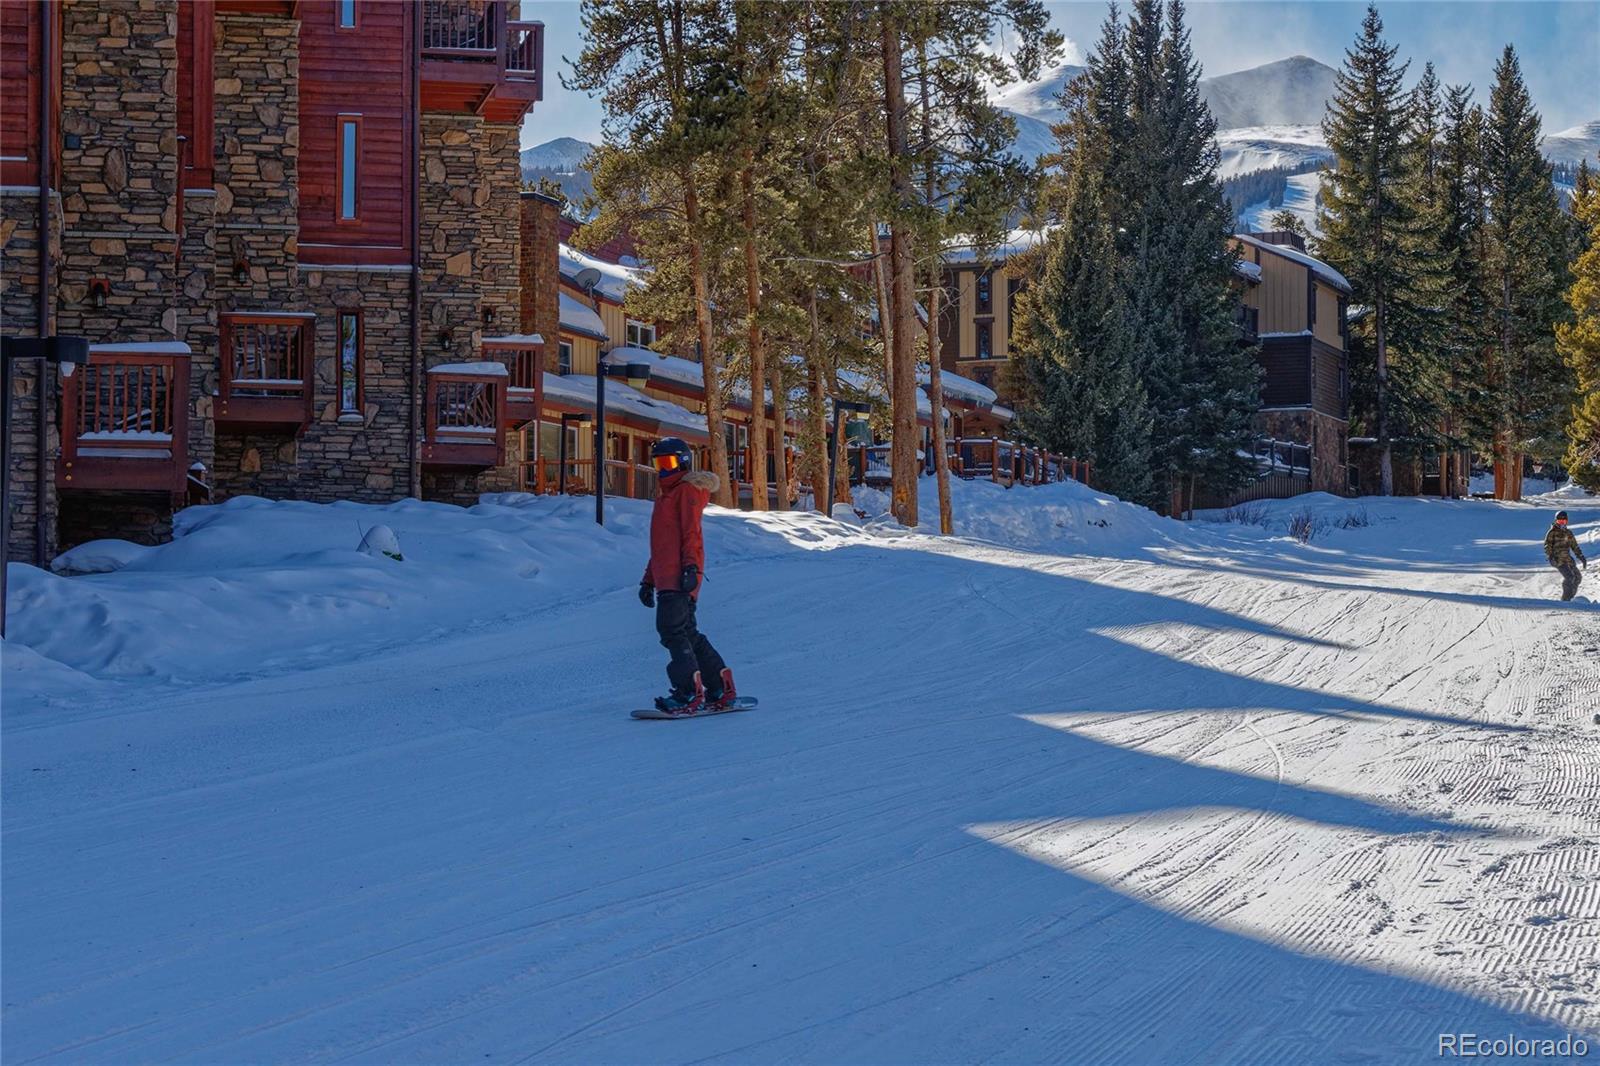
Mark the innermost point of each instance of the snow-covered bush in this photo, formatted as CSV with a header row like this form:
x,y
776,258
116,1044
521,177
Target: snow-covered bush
x,y
1356,519
1306,525
1244,514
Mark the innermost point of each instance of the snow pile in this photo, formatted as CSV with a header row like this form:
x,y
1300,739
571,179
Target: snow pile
x,y
615,279
1531,486
580,318
254,587
1063,517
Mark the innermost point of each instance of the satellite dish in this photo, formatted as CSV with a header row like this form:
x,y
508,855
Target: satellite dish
x,y
587,279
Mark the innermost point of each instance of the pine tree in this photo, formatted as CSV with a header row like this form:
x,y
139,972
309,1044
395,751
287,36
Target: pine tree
x,y
1364,205
1579,342
1525,264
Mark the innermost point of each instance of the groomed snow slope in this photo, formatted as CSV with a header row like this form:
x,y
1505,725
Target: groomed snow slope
x,y
1088,785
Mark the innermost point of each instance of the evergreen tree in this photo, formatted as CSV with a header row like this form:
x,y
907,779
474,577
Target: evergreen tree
x,y
1289,222
1525,264
1365,206
1579,342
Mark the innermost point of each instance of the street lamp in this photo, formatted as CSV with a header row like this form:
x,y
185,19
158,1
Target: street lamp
x,y
66,352
858,413
637,375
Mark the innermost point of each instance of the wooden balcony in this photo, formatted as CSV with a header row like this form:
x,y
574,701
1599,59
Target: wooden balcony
x,y
125,420
524,359
465,409
267,373
477,61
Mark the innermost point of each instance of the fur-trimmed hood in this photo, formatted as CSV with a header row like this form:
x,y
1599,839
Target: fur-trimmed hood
x,y
704,480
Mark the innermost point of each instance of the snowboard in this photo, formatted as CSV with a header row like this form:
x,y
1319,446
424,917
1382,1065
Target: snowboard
x,y
739,703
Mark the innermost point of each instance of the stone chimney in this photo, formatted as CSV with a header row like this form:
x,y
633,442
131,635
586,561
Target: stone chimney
x,y
540,273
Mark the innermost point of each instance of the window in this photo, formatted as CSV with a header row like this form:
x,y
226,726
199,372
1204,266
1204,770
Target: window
x,y
349,167
347,14
350,362
640,335
985,297
1013,286
564,357
985,344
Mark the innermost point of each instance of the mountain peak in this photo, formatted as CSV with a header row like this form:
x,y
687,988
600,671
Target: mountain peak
x,y
564,155
1285,92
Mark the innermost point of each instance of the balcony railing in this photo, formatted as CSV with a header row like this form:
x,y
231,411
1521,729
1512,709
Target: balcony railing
x,y
125,421
1003,461
267,372
524,360
465,408
477,61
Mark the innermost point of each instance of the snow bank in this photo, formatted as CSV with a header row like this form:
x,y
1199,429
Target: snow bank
x,y
254,587
1064,517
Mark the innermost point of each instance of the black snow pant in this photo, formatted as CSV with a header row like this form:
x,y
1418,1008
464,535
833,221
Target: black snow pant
x,y
1570,578
688,646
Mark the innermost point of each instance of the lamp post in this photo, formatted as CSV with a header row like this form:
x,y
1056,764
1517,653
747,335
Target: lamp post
x,y
66,352
638,375
857,411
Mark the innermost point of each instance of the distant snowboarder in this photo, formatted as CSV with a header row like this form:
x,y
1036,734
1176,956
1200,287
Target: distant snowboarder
x,y
701,682
1559,547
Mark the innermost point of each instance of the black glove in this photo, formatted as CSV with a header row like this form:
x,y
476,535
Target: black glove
x,y
647,594
689,580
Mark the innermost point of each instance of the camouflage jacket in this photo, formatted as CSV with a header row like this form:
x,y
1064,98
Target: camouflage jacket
x,y
1558,542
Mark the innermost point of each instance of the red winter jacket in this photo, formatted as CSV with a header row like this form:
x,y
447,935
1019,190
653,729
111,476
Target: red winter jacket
x,y
675,537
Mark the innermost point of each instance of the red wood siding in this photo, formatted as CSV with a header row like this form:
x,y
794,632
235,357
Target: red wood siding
x,y
20,39
196,35
355,72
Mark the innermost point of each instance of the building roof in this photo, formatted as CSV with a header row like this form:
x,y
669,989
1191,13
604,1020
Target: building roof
x,y
578,317
1318,267
627,405
960,249
615,279
964,392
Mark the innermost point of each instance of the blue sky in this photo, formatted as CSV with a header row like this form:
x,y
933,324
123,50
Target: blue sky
x,y
1559,43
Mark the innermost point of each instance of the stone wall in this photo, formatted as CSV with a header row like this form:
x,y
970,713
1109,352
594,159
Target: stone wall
x,y
19,310
142,517
540,224
1325,434
119,168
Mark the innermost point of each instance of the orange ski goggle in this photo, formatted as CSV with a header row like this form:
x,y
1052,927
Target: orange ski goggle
x,y
665,463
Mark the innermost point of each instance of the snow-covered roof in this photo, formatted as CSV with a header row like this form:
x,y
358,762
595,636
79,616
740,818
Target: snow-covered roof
x,y
960,249
578,317
483,369
521,340
872,387
962,390
615,279
1247,269
1003,413
578,390
141,347
673,368
1318,267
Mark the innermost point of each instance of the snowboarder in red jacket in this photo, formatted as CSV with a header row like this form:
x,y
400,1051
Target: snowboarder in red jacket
x,y
672,578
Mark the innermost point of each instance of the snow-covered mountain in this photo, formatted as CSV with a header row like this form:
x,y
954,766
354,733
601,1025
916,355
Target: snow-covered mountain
x,y
1287,92
564,155
1569,146
1037,99
1255,148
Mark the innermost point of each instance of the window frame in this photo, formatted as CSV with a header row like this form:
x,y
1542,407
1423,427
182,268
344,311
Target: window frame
x,y
339,316
983,292
633,331
338,15
983,340
340,163
563,357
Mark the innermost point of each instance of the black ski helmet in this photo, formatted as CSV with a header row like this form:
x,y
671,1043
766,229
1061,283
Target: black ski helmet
x,y
676,447
1561,516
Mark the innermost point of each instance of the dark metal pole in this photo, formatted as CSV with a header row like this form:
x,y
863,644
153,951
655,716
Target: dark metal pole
x,y
833,459
5,482
41,391
600,441
561,478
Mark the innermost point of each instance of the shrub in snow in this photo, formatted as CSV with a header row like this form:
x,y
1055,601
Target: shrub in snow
x,y
1244,514
97,557
1305,525
1357,519
380,540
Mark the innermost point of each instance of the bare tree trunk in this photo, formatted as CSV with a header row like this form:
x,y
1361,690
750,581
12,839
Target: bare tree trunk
x,y
941,460
1385,450
885,332
726,494
757,337
817,460
903,387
